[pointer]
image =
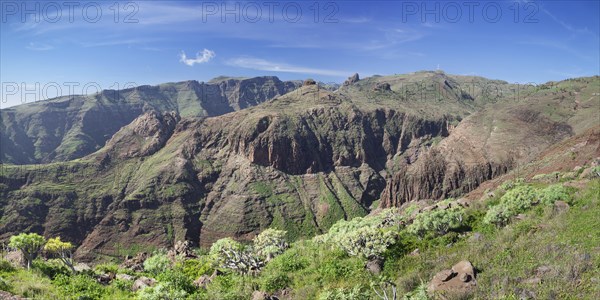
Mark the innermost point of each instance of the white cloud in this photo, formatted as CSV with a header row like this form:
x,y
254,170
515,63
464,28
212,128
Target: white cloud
x,y
39,46
201,58
265,65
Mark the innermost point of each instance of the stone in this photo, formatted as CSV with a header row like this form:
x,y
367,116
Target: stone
x,y
374,266
8,296
136,263
105,278
181,249
459,280
352,80
202,281
82,267
259,295
309,81
14,257
125,277
561,206
382,87
142,282
533,280
477,236
541,270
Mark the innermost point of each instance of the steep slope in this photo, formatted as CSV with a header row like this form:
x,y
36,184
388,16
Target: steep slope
x,y
70,127
493,140
300,162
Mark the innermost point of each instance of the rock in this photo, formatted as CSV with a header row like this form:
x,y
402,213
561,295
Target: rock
x,y
477,236
14,257
533,280
181,249
561,206
520,217
105,278
352,80
82,267
8,296
414,252
541,270
374,266
309,81
202,281
125,277
459,280
142,282
524,294
259,295
382,87
491,195
136,263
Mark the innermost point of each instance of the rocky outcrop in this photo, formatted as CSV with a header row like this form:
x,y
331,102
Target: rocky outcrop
x,y
352,79
142,282
459,280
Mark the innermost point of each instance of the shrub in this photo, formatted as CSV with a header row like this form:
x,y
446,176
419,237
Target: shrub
x,y
270,243
78,287
157,263
511,204
29,244
107,268
367,242
51,267
355,293
6,266
290,261
4,286
194,268
229,254
162,291
436,221
275,281
554,193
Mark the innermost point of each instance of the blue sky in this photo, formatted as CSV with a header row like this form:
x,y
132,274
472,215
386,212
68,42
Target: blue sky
x,y
145,42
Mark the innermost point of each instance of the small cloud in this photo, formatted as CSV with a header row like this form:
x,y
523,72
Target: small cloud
x,y
265,65
201,58
39,46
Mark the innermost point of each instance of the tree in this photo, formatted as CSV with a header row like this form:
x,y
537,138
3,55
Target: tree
x,y
29,244
62,250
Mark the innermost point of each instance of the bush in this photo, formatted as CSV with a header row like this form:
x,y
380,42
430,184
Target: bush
x,y
436,221
107,268
162,291
6,266
270,243
157,263
511,204
176,280
290,261
194,268
218,247
78,287
51,267
554,193
367,242
275,281
355,293
4,286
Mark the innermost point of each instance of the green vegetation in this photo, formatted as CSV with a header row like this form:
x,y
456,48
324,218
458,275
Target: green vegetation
x,y
29,244
557,248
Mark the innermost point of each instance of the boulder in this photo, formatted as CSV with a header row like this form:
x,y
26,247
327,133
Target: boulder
x,y
561,206
8,296
135,263
259,295
374,266
459,280
382,87
82,267
352,80
14,257
142,282
125,277
105,278
309,81
181,249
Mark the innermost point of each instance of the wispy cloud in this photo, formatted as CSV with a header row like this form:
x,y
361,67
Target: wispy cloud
x,y
39,46
265,65
201,58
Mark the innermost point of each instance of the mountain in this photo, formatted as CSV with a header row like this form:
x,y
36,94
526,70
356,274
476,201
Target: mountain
x,y
299,161
70,127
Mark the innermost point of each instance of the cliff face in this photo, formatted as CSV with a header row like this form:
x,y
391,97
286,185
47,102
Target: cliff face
x,y
71,127
298,162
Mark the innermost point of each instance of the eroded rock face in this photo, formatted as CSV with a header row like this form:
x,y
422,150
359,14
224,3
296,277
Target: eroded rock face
x,y
459,280
352,79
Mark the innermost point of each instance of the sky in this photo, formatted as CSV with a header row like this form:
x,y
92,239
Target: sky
x,y
79,47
